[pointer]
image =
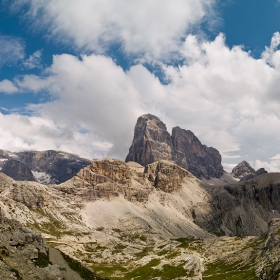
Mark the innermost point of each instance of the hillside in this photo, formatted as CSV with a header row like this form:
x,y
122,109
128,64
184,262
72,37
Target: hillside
x,y
124,220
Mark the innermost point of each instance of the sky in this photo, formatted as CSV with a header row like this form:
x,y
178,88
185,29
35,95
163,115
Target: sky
x,y
76,75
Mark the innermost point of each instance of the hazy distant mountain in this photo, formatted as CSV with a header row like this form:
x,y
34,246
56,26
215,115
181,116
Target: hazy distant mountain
x,y
45,167
244,171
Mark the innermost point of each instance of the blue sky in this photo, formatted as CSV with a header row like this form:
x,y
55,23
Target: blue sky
x,y
75,76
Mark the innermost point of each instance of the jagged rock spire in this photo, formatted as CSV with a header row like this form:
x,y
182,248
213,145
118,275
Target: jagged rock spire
x,y
152,142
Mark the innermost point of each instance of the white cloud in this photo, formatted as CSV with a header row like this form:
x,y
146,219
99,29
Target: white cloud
x,y
11,50
271,55
142,27
7,86
276,157
22,132
272,166
229,166
34,60
226,97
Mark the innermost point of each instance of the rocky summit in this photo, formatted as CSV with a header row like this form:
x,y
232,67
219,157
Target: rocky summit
x,y
153,142
244,171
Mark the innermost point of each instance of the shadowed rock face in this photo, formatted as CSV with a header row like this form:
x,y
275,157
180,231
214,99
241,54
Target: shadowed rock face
x,y
17,170
244,208
152,142
251,176
199,159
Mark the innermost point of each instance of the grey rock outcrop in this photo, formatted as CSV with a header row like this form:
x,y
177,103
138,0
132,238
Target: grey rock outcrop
x,y
24,254
152,142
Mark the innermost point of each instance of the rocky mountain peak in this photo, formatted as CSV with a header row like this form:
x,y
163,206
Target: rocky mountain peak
x,y
244,171
152,142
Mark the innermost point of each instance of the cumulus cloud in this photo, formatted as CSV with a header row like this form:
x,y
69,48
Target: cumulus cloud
x,y
142,27
7,86
225,96
219,93
271,55
270,166
11,50
23,132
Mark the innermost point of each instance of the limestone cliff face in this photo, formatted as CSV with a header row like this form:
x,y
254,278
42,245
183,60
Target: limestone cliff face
x,y
107,178
152,142
166,176
199,159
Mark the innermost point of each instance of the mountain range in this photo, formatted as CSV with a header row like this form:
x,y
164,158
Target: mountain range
x,y
150,217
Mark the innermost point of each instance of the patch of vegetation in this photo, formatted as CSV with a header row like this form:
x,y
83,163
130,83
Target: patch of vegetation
x,y
162,246
100,228
42,261
110,271
118,248
235,271
144,252
132,237
145,272
39,211
148,272
93,247
173,255
190,243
